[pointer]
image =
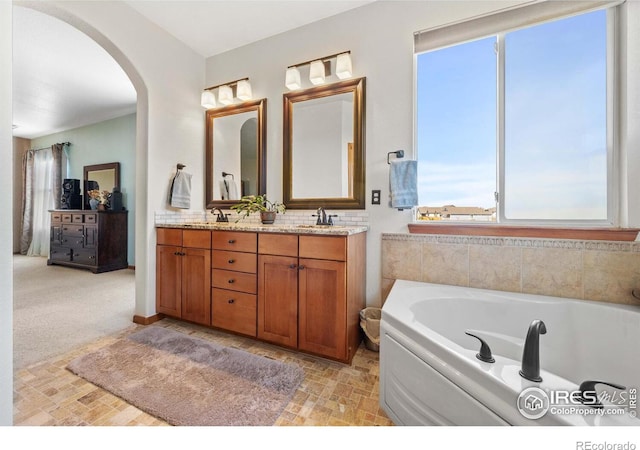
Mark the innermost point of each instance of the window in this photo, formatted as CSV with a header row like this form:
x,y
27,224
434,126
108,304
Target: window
x,y
517,126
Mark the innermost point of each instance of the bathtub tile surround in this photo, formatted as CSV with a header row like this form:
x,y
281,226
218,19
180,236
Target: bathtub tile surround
x,y
589,270
291,217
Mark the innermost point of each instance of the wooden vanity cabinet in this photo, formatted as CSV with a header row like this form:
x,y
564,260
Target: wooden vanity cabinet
x,y
233,281
278,288
183,274
310,298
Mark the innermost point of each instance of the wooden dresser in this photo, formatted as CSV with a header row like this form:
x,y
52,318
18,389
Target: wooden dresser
x,y
88,239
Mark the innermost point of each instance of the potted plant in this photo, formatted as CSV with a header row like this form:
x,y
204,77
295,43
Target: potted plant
x,y
259,203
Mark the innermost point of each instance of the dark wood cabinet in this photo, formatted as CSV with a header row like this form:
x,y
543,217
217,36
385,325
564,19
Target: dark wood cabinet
x,y
88,239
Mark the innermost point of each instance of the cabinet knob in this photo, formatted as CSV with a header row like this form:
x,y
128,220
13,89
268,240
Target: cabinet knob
x,y
230,300
231,241
231,281
301,267
231,261
292,266
92,257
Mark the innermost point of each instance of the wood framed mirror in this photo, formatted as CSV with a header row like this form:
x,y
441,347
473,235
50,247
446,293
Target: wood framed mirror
x,y
236,138
323,146
103,177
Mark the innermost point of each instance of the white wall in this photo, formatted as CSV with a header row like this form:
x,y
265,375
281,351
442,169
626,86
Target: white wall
x,y
6,226
380,37
168,78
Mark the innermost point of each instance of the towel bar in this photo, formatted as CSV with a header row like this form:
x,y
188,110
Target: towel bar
x,y
398,153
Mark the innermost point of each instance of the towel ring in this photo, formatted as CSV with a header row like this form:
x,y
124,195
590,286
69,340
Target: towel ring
x,y
180,166
224,174
398,153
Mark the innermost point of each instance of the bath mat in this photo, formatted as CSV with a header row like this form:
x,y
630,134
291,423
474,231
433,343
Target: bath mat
x,y
185,380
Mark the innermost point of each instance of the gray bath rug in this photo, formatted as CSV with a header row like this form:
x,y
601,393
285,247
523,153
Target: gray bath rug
x,y
189,381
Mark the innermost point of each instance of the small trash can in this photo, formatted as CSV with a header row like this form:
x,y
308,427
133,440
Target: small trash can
x,y
370,324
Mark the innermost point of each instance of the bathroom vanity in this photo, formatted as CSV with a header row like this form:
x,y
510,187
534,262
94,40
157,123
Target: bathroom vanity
x,y
301,287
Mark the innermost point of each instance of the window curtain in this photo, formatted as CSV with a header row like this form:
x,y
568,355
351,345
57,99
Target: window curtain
x,y
42,188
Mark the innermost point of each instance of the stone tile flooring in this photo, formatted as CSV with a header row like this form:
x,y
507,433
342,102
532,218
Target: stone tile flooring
x,y
331,394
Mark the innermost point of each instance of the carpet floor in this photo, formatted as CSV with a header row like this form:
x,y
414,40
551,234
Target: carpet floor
x,y
56,308
185,380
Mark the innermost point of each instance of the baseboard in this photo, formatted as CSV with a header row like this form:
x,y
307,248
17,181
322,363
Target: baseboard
x,y
132,267
140,320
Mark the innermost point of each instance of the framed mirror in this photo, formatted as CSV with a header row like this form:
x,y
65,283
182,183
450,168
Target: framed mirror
x,y
103,177
323,147
235,153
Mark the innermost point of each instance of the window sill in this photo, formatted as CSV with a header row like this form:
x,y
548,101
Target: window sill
x,y
596,234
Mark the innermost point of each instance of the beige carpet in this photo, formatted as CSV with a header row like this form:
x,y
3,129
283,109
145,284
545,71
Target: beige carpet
x,y
56,309
185,380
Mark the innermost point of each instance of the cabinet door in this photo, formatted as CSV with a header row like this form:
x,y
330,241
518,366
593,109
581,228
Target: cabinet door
x,y
323,308
90,236
278,299
168,275
196,285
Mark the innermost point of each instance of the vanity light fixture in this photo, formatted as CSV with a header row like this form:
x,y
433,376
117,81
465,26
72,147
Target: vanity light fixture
x,y
316,72
225,95
208,99
344,68
240,89
292,78
319,69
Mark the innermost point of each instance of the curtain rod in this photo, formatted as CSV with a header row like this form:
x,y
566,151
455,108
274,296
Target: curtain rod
x,y
46,148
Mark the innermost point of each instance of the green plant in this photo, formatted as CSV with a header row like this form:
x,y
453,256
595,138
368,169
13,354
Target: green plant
x,y
257,203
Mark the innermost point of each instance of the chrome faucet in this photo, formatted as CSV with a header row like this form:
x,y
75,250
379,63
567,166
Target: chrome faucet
x,y
222,217
323,218
531,354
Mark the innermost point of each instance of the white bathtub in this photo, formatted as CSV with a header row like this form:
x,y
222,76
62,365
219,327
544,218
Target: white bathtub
x,y
429,373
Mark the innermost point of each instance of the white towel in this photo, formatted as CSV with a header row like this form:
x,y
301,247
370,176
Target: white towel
x,y
180,193
233,190
403,184
229,190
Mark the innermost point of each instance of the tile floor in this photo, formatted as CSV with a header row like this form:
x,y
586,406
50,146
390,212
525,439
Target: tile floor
x,y
331,394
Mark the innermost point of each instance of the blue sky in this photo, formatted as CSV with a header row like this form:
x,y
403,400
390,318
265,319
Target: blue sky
x,y
555,120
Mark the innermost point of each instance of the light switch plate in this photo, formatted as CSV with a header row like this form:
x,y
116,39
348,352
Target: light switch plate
x,y
375,197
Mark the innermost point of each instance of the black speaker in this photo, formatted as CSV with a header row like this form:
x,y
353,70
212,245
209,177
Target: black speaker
x,y
70,200
71,186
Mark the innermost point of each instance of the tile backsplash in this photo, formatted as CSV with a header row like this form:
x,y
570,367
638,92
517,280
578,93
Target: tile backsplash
x,y
291,217
589,270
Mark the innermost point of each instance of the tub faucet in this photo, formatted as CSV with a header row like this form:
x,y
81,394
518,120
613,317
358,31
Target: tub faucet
x,y
531,354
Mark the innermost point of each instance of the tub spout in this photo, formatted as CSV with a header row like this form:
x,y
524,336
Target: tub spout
x,y
531,354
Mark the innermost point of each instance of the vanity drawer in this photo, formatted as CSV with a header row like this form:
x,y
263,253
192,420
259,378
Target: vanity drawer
x,y
242,262
235,281
66,218
73,241
278,244
238,241
234,311
196,238
169,236
76,218
324,247
56,217
90,218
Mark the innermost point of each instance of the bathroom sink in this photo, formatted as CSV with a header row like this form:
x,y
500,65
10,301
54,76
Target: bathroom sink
x,y
323,227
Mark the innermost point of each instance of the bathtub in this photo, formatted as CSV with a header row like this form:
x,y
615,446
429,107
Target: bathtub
x,y
430,375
